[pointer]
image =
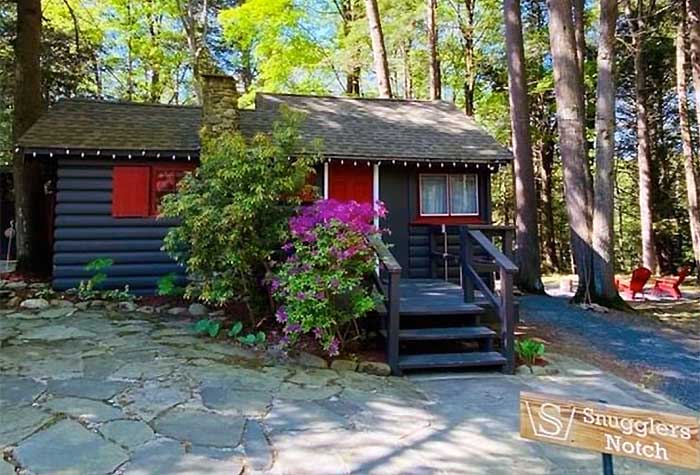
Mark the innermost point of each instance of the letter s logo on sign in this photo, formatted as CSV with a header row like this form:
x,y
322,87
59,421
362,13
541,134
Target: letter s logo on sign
x,y
549,422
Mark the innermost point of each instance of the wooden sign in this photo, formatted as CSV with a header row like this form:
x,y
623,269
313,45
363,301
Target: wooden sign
x,y
657,437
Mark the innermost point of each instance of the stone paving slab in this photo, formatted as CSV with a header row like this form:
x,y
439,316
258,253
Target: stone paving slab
x,y
89,388
67,448
122,402
200,427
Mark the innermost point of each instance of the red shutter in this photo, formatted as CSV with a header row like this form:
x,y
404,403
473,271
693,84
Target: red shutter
x,y
130,192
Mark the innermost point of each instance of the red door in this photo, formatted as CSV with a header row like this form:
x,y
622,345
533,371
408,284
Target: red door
x,y
350,182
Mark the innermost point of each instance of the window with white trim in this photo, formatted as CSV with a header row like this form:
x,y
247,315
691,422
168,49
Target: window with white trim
x,y
449,195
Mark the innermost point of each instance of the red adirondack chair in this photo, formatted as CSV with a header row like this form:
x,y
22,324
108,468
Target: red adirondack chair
x,y
640,277
670,285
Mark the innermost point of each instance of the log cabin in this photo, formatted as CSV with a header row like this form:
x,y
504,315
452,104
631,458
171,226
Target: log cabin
x,y
426,160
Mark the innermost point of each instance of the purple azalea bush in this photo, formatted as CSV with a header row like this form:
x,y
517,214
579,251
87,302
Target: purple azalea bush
x,y
321,283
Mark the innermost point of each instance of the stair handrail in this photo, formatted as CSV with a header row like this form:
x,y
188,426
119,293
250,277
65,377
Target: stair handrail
x,y
391,294
503,303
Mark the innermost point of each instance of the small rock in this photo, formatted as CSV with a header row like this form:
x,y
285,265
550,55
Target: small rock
x,y
13,302
19,285
82,305
6,294
177,311
344,365
146,309
523,370
56,312
61,303
162,308
374,367
34,304
97,303
38,286
217,313
126,306
196,309
594,307
313,361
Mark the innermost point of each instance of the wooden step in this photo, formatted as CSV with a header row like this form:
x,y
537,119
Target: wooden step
x,y
450,333
451,360
408,310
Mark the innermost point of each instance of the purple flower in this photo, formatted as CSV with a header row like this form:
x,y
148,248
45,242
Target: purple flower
x,y
292,328
301,295
318,333
274,285
281,315
334,347
320,295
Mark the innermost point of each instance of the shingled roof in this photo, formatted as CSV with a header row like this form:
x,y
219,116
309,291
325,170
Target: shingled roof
x,y
90,124
348,128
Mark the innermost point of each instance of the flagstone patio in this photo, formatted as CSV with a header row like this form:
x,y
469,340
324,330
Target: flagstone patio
x,y
109,393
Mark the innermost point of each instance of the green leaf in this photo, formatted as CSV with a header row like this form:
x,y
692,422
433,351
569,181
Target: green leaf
x,y
202,326
235,329
214,328
260,338
249,339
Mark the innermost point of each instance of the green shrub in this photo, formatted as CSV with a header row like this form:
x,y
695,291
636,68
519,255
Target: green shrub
x,y
89,289
233,212
529,350
167,285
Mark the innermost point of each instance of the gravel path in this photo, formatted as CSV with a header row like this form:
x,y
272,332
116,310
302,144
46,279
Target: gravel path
x,y
672,358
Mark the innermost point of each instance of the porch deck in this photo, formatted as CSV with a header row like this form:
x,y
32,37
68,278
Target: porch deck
x,y
435,297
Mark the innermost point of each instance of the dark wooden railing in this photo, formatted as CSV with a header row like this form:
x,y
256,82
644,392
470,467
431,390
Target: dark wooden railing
x,y
503,302
493,260
389,266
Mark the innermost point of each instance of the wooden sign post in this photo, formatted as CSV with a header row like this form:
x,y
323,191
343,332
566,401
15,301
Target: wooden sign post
x,y
658,437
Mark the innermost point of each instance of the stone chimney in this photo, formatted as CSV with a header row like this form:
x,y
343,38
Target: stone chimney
x,y
219,105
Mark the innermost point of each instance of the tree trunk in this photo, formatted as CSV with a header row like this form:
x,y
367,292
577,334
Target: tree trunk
x,y
546,148
604,193
381,65
579,10
467,28
352,72
433,55
30,200
407,79
693,11
526,234
691,178
649,257
568,89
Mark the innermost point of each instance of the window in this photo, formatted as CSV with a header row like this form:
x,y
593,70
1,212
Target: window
x,y
138,190
163,182
449,195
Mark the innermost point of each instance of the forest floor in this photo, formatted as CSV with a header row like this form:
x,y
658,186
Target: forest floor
x,y
657,346
682,315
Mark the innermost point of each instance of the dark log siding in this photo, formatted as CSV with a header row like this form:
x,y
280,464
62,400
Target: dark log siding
x,y
398,188
85,230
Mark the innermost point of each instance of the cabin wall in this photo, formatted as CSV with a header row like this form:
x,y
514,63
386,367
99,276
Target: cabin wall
x,y
398,189
84,229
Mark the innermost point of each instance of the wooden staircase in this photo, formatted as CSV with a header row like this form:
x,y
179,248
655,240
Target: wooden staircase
x,y
432,323
445,334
